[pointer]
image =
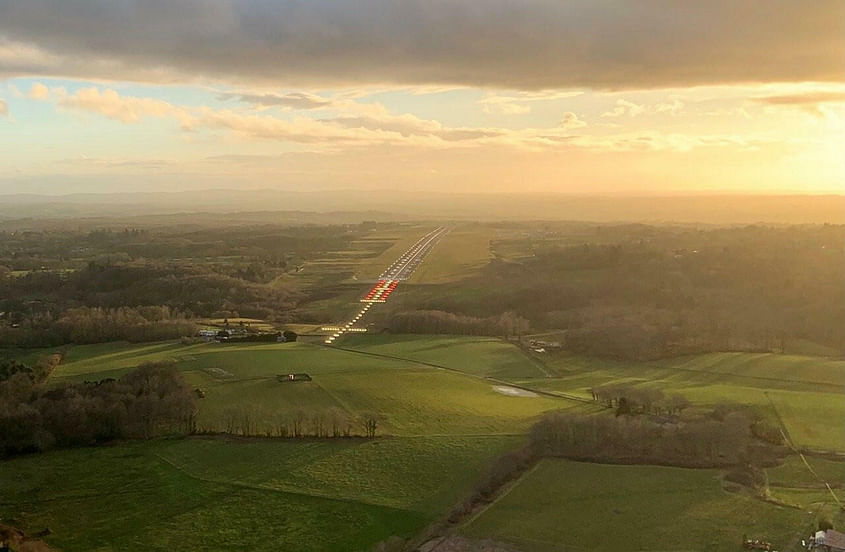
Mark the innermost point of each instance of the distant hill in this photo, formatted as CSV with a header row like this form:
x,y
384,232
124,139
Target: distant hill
x,y
383,204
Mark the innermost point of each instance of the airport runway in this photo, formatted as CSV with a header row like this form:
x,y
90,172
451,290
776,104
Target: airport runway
x,y
400,270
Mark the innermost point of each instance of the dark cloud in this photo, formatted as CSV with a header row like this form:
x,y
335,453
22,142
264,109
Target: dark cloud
x,y
804,99
527,44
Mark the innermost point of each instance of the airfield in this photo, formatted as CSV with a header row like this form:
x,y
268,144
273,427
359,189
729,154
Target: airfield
x,y
447,407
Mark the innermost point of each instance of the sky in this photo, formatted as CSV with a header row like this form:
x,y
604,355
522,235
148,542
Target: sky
x,y
577,97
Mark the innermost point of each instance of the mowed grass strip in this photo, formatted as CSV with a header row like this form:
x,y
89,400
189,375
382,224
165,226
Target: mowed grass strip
x,y
565,505
460,254
480,356
214,494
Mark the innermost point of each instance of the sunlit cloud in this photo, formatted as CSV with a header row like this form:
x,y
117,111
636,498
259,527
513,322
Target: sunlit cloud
x,y
124,109
624,107
38,91
292,100
571,121
812,102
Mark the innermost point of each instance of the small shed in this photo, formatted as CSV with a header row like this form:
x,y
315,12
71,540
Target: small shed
x,y
293,377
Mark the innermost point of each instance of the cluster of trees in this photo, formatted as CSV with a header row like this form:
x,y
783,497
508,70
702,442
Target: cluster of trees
x,y
199,289
728,437
47,276
440,322
629,399
317,423
504,469
149,401
640,292
38,373
96,325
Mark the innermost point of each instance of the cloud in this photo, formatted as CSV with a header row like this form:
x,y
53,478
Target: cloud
x,y
571,121
516,102
124,109
372,125
812,102
529,45
4,108
673,108
38,91
624,107
292,100
503,106
120,163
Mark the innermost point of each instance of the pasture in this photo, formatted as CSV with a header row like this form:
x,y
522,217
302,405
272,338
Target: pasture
x,y
481,356
563,505
212,494
441,421
410,398
806,393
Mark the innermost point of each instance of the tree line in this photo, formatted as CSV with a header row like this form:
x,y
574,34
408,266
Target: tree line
x,y
724,437
300,423
731,436
629,399
149,401
639,292
97,324
440,322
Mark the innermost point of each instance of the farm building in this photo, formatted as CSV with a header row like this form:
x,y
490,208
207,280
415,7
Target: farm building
x,y
293,377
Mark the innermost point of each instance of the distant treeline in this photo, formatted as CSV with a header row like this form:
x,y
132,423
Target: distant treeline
x,y
644,292
149,401
97,325
440,322
211,272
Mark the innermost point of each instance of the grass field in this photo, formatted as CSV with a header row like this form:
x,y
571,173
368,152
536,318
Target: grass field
x,y
444,425
808,393
412,399
198,494
483,356
461,253
565,505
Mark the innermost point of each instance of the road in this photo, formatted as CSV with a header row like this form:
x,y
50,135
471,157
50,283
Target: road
x,y
400,270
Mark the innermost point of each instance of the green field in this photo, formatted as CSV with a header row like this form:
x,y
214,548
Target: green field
x,y
200,494
808,393
482,356
442,420
411,398
564,505
461,253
